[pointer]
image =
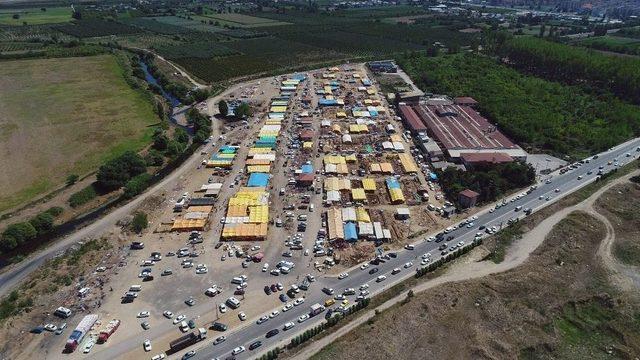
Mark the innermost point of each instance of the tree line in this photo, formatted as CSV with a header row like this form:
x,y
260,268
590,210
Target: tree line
x,y
491,181
540,115
20,233
574,65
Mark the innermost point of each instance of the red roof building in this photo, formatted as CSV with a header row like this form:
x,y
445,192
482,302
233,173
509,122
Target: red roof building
x,y
411,119
465,100
473,159
467,198
304,180
306,135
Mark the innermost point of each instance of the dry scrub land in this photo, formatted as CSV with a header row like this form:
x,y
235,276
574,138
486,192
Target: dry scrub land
x,y
64,116
559,304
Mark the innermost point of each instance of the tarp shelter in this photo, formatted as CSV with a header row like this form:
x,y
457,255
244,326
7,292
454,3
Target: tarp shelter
x,y
329,159
386,168
334,183
255,161
387,145
350,232
188,225
377,230
433,176
396,196
365,229
307,169
369,184
392,183
351,158
341,114
358,194
258,169
346,138
307,145
227,149
327,102
244,231
397,146
334,223
349,214
333,196
362,215
258,180
408,165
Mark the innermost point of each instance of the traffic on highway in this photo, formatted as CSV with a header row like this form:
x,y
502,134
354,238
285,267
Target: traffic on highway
x,y
368,279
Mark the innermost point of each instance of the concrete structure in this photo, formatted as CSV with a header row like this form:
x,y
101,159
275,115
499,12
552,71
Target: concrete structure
x,y
471,160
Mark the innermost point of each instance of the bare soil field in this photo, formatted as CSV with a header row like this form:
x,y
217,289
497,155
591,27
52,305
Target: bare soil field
x,y
64,116
621,205
559,304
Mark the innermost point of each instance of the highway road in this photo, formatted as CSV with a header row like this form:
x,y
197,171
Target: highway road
x,y
550,189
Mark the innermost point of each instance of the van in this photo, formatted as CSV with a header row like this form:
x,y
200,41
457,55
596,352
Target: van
x,y
233,302
183,326
237,280
62,312
135,288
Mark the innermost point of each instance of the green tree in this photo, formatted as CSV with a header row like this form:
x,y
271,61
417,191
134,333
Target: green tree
x,y
115,173
181,136
137,185
139,222
223,108
43,223
17,234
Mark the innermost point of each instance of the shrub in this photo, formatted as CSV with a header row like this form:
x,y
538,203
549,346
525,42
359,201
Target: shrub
x,y
72,179
137,185
17,234
83,196
42,222
139,222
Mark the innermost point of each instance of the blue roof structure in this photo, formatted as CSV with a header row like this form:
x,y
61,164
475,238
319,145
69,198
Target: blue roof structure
x,y
258,180
392,183
227,149
307,169
433,176
366,82
327,102
350,232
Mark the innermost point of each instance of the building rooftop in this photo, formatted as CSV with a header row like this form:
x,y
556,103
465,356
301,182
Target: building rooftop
x,y
469,193
489,157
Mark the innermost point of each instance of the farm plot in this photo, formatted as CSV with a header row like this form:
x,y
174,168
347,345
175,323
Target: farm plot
x,y
244,20
187,23
64,116
195,50
152,24
35,16
95,28
31,33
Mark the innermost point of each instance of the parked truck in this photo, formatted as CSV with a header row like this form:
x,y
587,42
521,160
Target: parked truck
x,y
316,309
108,330
80,331
187,340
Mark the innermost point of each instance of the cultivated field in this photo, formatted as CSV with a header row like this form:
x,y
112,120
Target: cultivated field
x,y
35,16
61,117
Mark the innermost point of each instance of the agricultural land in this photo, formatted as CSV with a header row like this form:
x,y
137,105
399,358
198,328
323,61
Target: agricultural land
x,y
64,116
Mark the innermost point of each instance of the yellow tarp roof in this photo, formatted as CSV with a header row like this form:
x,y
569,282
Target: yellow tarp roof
x,y
307,144
329,159
244,231
201,208
369,184
358,128
259,168
341,114
219,163
351,158
395,138
236,210
334,183
188,224
254,150
362,214
334,223
342,169
396,195
278,109
358,194
386,168
336,128
258,162
259,214
408,164
375,168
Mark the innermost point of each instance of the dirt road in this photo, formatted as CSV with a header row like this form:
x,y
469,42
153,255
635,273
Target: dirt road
x,y
516,256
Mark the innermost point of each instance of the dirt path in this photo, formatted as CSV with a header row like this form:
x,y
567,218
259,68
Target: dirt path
x,y
516,255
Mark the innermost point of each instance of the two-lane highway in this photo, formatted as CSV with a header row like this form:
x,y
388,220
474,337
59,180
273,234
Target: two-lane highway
x,y
548,190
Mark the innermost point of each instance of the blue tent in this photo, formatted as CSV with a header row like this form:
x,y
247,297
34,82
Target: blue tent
x,y
433,176
228,149
307,169
392,183
300,77
350,233
258,180
327,102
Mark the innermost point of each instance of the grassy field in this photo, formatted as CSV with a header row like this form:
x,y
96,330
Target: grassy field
x,y
35,16
64,116
558,305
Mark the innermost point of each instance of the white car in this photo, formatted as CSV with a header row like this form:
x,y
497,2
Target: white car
x,y
222,308
265,267
262,319
381,278
303,318
289,325
158,357
274,313
364,286
203,270
238,350
178,319
50,327
168,314
147,345
343,276
143,314
242,316
408,265
424,261
287,307
364,266
298,301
